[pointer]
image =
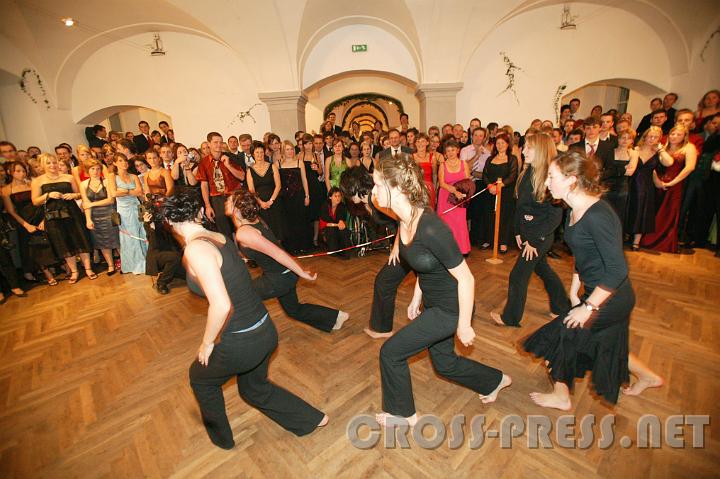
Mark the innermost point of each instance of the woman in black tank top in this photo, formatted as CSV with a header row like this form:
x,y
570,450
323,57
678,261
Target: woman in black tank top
x,y
239,336
280,270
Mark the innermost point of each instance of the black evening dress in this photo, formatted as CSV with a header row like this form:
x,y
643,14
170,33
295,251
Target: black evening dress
x,y
264,188
641,203
602,345
317,190
64,222
35,250
508,171
296,227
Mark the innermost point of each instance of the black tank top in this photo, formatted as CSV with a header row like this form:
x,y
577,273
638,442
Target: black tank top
x,y
268,264
247,307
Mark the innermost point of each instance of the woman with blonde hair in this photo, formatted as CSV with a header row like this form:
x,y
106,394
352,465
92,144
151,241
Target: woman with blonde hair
x,y
669,185
536,219
445,286
641,202
594,334
64,223
295,196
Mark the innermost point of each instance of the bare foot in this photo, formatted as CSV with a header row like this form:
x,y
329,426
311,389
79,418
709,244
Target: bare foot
x,y
551,400
376,335
341,318
642,384
504,382
385,419
324,421
497,319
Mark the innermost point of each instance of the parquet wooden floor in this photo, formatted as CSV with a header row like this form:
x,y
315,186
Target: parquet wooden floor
x,y
93,382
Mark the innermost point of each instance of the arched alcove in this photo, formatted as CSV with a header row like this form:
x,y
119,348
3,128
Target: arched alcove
x,y
386,90
623,94
125,118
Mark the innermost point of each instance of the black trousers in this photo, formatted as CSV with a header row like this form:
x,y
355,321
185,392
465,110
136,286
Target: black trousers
x,y
520,277
167,263
223,223
387,283
336,239
434,329
283,287
7,269
247,355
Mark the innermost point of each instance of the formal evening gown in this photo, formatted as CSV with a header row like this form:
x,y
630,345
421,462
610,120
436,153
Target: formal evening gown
x,y
455,219
665,236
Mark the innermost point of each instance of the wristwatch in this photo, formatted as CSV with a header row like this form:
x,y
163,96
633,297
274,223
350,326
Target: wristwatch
x,y
590,307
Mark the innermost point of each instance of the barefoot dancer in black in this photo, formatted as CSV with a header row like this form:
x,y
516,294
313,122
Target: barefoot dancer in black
x,y
357,184
594,334
239,335
280,270
445,287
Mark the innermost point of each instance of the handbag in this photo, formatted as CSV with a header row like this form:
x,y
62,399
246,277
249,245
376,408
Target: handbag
x,y
39,239
467,186
115,218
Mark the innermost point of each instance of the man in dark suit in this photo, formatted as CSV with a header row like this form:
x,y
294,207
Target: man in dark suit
x,y
602,151
331,118
164,127
668,102
607,130
655,104
395,148
98,138
142,140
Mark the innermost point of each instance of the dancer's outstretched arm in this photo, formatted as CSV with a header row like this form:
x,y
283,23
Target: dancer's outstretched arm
x,y
252,238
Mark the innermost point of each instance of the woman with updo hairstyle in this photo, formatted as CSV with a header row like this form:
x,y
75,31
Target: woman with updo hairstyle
x,y
239,336
280,271
126,190
445,287
593,335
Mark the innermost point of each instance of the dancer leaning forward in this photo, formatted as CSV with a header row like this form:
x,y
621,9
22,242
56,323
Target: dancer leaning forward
x,y
239,335
442,303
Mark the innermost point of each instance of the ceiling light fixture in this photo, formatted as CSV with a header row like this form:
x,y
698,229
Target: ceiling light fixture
x,y
68,22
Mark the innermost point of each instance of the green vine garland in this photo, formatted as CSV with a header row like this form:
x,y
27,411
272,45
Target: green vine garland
x,y
25,78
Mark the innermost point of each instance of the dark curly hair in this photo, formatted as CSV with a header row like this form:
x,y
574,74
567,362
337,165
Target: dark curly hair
x,y
245,201
183,206
356,181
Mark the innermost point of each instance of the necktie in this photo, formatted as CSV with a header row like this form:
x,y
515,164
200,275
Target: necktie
x,y
592,149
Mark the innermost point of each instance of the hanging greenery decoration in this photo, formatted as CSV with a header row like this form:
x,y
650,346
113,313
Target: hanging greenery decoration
x,y
240,117
556,101
26,78
707,43
510,70
369,97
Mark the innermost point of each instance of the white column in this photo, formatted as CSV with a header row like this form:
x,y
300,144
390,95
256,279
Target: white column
x,y
437,103
287,112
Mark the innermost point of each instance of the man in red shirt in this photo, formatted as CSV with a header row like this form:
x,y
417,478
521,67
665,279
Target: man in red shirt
x,y
218,178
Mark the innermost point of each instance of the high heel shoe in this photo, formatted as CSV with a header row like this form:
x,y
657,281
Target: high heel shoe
x,y
74,277
90,273
635,247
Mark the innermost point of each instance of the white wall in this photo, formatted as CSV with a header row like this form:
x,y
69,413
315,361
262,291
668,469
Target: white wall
x,y
319,98
333,55
199,83
576,58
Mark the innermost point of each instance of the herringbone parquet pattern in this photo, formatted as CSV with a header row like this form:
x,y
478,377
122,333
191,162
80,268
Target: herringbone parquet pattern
x,y
93,382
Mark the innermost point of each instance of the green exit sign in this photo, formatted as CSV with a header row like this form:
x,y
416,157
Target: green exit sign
x,y
359,48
